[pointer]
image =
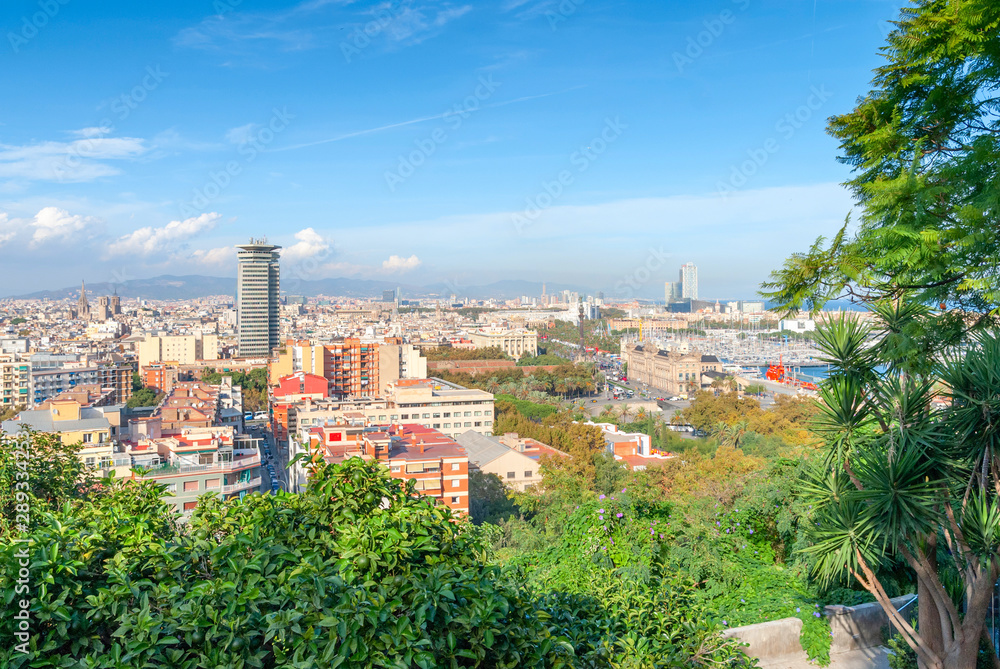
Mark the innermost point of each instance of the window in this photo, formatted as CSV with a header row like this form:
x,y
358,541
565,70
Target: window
x,y
427,415
479,423
447,425
211,483
456,466
455,483
190,486
393,417
454,500
437,415
381,418
479,413
189,506
171,487
437,425
91,461
489,423
415,468
468,413
512,475
447,414
468,424
88,438
527,473
406,416
487,413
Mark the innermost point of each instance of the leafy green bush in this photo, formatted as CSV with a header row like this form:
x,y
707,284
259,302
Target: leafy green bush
x,y
359,571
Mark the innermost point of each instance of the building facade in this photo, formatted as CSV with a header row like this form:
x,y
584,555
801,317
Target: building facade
x,y
15,383
515,343
350,365
257,298
180,349
438,465
160,376
689,281
670,371
427,402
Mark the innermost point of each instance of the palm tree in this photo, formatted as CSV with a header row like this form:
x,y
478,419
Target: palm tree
x,y
625,412
901,476
493,385
641,414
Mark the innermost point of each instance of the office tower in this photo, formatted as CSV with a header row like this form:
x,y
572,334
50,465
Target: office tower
x,y
689,281
257,304
388,296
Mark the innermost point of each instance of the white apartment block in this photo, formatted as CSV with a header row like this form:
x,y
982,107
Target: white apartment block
x,y
182,349
428,402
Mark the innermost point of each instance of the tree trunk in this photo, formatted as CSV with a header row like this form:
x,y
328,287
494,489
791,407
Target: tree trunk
x,y
928,617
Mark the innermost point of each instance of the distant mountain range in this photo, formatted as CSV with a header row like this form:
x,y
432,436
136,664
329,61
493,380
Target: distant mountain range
x,y
193,286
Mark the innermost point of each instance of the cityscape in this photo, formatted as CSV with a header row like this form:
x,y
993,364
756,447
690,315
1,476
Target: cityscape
x,y
543,333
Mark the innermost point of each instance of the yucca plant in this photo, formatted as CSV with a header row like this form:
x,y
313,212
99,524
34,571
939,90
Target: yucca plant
x,y
901,477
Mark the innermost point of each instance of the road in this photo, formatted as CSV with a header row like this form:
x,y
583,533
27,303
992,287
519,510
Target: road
x,y
276,460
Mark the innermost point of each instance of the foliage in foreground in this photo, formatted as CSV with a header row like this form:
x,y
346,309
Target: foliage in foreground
x,y
357,572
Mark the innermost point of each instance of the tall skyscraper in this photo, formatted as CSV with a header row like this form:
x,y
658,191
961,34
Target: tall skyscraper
x,y
689,281
257,305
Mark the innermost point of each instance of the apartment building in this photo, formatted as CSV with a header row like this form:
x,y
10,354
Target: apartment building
x,y
350,365
178,349
93,427
437,464
51,381
160,376
634,449
399,361
515,460
431,403
670,371
193,461
515,343
15,382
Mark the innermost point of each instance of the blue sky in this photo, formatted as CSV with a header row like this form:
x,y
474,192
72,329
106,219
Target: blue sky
x,y
593,142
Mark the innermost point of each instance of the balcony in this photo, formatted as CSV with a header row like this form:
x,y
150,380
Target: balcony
x,y
236,465
241,485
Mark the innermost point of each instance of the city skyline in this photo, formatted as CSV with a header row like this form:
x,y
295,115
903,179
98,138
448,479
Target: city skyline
x,y
528,149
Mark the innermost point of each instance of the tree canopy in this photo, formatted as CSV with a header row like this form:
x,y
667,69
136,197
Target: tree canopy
x,y
924,145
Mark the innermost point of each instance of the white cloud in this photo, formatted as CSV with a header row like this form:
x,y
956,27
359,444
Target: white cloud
x,y
55,224
400,264
79,160
318,24
310,245
224,255
7,233
149,240
241,134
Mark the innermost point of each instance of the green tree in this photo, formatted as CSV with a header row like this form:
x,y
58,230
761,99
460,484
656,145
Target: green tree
x,y
488,498
144,397
903,478
358,571
136,381
924,144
